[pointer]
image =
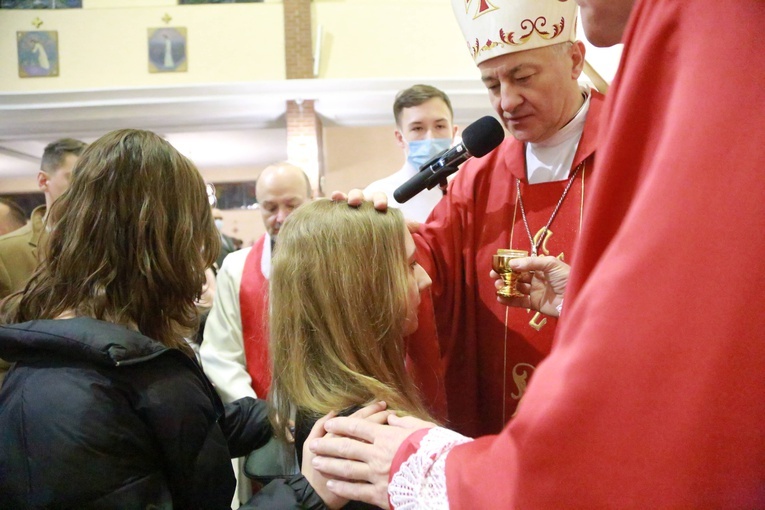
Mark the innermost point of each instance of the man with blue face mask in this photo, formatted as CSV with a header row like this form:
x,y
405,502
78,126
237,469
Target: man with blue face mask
x,y
424,128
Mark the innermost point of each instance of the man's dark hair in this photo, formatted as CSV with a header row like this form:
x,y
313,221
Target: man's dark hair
x,y
415,96
55,152
15,213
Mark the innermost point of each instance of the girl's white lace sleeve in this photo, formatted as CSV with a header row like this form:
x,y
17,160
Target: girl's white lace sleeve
x,y
420,482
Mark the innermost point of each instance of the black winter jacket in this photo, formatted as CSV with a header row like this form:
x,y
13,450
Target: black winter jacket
x,y
94,415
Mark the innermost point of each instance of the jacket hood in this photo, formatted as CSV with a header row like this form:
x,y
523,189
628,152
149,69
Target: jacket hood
x,y
81,338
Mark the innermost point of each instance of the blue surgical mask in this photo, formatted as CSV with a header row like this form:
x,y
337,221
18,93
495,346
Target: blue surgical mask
x,y
219,223
421,151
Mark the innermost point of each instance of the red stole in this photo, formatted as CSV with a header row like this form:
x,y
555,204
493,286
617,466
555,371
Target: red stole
x,y
253,303
423,360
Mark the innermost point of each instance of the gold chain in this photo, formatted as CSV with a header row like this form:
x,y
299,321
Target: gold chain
x,y
535,245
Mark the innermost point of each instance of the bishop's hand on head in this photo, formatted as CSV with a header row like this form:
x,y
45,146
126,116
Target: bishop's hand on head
x,y
356,197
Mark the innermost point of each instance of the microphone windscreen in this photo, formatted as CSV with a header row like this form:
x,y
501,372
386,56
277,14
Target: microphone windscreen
x,y
482,136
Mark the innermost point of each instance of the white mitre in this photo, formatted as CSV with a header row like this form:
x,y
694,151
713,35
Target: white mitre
x,y
496,27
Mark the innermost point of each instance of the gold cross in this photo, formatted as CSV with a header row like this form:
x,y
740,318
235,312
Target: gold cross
x,y
166,18
37,22
536,323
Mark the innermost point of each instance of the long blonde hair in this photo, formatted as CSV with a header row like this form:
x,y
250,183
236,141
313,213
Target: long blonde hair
x,y
338,303
129,241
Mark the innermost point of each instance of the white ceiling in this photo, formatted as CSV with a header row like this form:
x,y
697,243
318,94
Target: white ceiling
x,y
217,126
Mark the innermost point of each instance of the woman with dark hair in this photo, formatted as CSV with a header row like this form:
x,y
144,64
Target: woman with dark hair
x,y
106,406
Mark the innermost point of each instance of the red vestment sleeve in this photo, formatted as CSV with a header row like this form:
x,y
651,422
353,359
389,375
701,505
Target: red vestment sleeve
x,y
406,449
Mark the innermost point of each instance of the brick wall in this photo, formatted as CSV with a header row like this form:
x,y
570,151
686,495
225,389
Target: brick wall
x,y
304,142
298,41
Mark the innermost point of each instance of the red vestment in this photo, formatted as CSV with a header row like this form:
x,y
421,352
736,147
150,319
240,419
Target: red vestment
x,y
253,302
654,393
478,216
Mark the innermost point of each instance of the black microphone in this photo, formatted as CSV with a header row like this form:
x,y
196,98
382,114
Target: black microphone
x,y
479,138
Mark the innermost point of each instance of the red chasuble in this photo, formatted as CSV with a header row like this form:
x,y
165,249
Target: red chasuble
x,y
654,393
489,350
253,302
423,361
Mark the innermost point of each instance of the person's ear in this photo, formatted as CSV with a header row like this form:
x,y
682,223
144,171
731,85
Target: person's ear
x,y
42,181
455,128
577,59
400,139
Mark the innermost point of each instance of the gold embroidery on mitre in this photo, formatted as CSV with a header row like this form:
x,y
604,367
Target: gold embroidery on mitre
x,y
530,26
521,379
475,50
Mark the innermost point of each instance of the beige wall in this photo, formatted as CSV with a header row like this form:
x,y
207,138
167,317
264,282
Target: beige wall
x,y
391,38
357,156
19,185
246,225
105,45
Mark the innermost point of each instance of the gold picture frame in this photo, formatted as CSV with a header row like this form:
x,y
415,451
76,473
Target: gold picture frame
x,y
37,53
168,50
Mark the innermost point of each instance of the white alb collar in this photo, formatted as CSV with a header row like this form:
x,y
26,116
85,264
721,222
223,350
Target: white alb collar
x,y
551,160
265,259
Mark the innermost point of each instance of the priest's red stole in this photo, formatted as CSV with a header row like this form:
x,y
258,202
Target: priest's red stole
x,y
253,303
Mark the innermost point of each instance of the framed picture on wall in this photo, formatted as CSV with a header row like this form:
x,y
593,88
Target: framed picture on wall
x,y
167,50
38,53
40,4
